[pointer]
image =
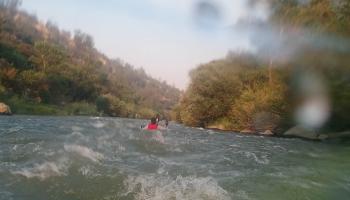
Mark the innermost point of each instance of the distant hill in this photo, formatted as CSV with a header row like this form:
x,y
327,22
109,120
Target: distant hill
x,y
45,70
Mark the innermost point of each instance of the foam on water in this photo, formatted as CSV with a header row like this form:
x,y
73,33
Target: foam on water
x,y
166,188
44,170
279,147
158,136
98,124
262,160
84,152
13,130
77,134
76,129
86,171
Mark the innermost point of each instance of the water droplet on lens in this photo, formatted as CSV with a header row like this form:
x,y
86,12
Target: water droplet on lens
x,y
207,14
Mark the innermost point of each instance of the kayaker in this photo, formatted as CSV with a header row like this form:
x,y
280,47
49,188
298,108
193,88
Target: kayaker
x,y
153,125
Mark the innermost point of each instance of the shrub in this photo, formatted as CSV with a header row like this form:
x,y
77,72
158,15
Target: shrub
x,y
81,108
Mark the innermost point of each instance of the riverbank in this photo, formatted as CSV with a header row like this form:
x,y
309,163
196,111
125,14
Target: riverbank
x,y
21,107
294,132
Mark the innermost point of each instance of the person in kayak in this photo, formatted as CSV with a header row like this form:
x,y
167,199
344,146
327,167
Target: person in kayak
x,y
153,125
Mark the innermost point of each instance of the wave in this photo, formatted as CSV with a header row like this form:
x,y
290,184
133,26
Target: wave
x,y
12,130
44,170
84,152
77,128
164,188
98,124
263,160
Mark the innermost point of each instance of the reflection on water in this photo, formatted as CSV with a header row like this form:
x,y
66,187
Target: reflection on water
x,y
110,158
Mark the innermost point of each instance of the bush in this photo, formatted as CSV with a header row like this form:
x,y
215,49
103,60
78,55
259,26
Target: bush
x,y
14,57
81,108
235,93
103,105
249,108
20,106
146,113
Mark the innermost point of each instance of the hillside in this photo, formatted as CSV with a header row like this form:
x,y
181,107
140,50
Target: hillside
x,y
45,70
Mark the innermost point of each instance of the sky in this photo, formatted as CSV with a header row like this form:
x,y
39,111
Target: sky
x,y
167,38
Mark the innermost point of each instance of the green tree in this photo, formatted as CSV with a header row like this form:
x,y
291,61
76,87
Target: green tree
x,y
48,56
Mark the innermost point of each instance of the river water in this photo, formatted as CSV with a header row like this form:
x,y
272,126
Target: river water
x,y
63,158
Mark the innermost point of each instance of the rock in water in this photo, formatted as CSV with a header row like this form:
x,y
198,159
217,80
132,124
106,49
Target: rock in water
x,y
266,121
267,133
299,131
5,109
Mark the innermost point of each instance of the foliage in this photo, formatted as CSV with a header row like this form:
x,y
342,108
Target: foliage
x,y
13,57
245,91
81,108
234,89
256,100
2,89
21,106
146,113
42,64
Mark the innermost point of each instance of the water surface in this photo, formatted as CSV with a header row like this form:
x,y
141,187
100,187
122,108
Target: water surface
x,y
43,158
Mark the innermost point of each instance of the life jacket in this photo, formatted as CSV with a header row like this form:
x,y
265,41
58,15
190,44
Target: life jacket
x,y
152,127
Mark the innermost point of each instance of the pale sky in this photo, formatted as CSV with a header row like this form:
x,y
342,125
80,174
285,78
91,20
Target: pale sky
x,y
162,36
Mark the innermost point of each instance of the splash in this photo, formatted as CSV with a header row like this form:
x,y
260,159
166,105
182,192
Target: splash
x,y
163,188
44,170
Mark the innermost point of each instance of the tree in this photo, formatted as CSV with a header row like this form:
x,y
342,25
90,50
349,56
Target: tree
x,y
48,56
33,83
83,41
13,57
10,5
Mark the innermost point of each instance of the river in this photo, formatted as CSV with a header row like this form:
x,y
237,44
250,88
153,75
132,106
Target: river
x,y
43,158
